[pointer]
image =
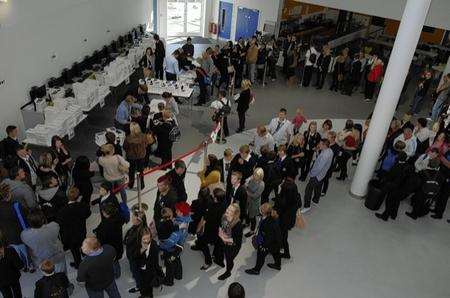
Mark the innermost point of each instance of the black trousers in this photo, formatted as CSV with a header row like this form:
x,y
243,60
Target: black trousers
x,y
261,258
420,207
284,241
343,161
76,253
136,165
391,205
171,76
159,71
165,153
203,96
307,74
442,199
241,116
11,291
252,223
315,186
226,131
370,89
307,165
203,244
227,251
321,76
173,265
268,189
326,180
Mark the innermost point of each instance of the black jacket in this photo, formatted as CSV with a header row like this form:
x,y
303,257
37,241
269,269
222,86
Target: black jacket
x,y
269,231
9,223
160,52
132,242
109,231
397,176
272,174
151,263
82,180
10,266
287,167
287,203
213,218
177,183
112,199
236,235
311,141
9,146
145,63
52,286
239,197
72,222
169,201
246,168
244,101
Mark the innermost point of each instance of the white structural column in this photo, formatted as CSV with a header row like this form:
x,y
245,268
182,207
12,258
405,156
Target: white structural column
x,y
402,53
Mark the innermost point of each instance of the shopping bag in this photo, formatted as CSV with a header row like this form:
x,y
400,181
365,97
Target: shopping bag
x,y
300,221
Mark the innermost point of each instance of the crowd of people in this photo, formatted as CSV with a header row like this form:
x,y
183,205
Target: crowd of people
x,y
252,193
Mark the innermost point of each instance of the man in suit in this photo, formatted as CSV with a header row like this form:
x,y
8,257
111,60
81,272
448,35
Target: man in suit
x,y
10,143
244,162
165,198
176,177
106,197
72,221
225,164
26,161
160,54
237,193
272,177
286,164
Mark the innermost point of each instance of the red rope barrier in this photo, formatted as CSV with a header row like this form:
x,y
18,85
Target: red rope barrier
x,y
152,170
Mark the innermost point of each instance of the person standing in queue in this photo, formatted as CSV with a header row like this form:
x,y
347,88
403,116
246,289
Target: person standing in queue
x,y
230,242
149,267
162,130
243,101
172,66
221,109
203,81
286,204
160,54
267,240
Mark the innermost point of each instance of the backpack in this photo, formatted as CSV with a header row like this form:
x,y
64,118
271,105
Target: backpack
x,y
312,57
124,212
225,110
174,133
431,186
389,160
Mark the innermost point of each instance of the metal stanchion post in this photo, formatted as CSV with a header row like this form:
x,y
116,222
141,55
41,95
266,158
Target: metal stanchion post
x,y
205,154
139,206
221,139
264,75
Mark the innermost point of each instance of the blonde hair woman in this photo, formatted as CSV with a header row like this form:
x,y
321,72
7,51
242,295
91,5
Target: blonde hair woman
x,y
243,103
47,167
230,242
255,188
268,240
135,146
113,168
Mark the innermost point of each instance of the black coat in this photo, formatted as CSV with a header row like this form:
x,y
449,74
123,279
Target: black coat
x,y
160,52
311,140
9,224
109,231
272,174
112,199
177,183
198,210
397,176
82,181
287,203
162,131
72,222
246,168
287,167
152,268
244,101
9,146
132,242
169,201
238,197
52,286
270,232
145,63
10,266
213,218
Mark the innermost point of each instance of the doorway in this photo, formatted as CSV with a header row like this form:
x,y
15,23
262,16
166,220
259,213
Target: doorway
x,y
185,17
225,15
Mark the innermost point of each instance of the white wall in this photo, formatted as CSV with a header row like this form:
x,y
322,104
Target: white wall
x,y
268,11
438,15
31,30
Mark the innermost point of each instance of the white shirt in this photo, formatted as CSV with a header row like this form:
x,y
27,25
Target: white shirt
x,y
172,65
311,50
33,174
411,144
423,134
282,135
266,140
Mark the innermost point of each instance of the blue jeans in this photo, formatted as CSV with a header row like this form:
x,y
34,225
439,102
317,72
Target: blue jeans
x,y
123,193
437,107
111,290
117,270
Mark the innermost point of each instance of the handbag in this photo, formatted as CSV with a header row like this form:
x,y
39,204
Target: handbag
x,y
122,168
299,220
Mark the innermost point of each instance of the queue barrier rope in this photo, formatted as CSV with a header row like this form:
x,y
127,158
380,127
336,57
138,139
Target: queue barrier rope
x,y
201,146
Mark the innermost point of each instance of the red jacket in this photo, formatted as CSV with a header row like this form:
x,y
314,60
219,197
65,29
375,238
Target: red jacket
x,y
375,73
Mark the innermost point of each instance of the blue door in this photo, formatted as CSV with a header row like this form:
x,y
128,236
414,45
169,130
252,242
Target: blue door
x,y
225,16
247,22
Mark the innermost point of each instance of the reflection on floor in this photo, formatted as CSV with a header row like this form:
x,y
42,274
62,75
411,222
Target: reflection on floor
x,y
345,251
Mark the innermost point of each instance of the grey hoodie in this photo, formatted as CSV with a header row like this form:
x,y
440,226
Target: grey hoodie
x,y
22,193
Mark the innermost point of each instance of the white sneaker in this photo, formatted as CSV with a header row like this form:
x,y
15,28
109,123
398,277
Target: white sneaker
x,y
304,210
314,204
